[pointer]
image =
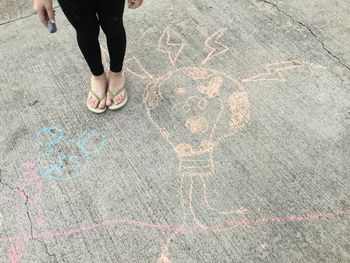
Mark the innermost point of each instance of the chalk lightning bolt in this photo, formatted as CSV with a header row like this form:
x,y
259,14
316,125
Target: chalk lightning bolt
x,y
134,67
274,70
173,50
216,47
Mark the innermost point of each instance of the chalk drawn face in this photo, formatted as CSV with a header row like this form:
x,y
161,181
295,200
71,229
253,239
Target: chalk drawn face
x,y
192,97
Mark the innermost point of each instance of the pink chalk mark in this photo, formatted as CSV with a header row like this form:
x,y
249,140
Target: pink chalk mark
x,y
15,251
5,197
183,230
266,220
33,181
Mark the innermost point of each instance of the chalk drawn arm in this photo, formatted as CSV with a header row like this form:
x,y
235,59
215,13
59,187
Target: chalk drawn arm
x,y
274,71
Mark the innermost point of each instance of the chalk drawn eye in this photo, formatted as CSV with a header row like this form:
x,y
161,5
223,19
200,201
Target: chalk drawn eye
x,y
186,107
180,90
202,104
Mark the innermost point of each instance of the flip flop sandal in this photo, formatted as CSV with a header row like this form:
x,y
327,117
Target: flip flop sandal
x,y
121,104
96,110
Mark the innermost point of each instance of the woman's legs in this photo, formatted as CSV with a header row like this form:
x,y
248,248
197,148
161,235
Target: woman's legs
x,y
110,15
82,16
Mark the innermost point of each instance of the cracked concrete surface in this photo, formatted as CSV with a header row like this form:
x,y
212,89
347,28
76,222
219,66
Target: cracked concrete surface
x,y
310,30
277,189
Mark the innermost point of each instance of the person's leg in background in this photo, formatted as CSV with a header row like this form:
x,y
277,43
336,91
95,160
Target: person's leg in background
x,y
82,16
110,15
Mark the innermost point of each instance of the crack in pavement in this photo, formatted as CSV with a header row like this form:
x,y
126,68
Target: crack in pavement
x,y
23,17
264,1
29,217
31,229
47,250
310,30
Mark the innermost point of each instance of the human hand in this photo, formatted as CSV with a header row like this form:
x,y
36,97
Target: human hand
x,y
45,11
133,4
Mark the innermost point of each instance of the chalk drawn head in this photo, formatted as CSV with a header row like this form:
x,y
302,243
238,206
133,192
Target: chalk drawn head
x,y
194,99
189,105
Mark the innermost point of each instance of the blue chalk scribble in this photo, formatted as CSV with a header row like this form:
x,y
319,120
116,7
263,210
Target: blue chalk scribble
x,y
83,139
53,136
52,161
54,171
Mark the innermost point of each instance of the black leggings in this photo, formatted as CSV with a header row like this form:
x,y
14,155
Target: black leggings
x,y
82,14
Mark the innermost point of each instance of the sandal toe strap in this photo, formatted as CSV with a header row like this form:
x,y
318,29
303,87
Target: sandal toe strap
x,y
96,96
113,95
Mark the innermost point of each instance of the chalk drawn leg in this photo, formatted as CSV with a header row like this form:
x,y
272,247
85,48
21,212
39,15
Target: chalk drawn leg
x,y
164,256
189,219
197,210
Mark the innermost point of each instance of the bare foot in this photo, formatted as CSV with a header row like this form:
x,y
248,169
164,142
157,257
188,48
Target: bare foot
x,y
115,83
98,85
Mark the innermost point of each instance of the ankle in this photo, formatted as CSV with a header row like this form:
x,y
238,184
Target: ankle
x,y
116,74
100,77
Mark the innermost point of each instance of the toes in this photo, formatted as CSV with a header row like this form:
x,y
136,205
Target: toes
x,y
102,104
118,99
108,101
91,102
94,103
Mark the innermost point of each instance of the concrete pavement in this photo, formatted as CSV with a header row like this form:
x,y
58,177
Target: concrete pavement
x,y
234,146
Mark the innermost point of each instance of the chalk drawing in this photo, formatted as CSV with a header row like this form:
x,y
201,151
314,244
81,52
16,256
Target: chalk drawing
x,y
96,147
50,136
217,48
173,50
184,230
55,164
204,106
274,70
30,193
5,197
